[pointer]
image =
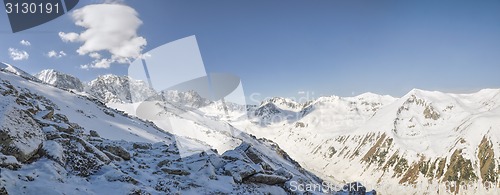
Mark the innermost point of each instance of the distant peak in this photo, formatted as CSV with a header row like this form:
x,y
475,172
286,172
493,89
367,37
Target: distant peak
x,y
488,91
367,95
52,71
49,70
279,100
416,90
421,92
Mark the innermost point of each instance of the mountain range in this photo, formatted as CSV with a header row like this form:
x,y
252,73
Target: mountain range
x,y
59,140
434,140
426,142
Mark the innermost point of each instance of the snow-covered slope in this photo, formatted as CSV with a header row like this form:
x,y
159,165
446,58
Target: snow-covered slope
x,y
57,142
60,80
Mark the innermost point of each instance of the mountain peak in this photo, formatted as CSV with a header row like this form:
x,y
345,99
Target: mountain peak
x,y
283,103
59,79
424,94
119,89
186,98
369,96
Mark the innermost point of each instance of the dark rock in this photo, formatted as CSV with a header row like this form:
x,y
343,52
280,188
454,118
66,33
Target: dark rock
x,y
49,115
164,163
143,146
175,171
3,191
266,179
94,133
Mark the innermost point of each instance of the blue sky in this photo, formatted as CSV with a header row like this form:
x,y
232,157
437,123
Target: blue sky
x,y
279,48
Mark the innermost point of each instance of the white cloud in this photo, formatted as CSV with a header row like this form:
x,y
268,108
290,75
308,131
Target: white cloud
x,y
95,55
55,54
16,54
108,28
102,63
85,67
69,37
98,63
25,43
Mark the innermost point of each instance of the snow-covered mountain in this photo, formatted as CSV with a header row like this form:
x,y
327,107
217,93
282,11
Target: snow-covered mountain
x,y
426,141
119,89
58,142
60,80
277,109
189,99
422,143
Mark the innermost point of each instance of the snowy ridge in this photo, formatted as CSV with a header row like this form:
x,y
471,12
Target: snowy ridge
x,y
14,70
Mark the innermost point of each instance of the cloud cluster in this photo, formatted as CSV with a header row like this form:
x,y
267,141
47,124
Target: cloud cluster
x,y
25,43
55,54
69,37
16,54
98,63
108,28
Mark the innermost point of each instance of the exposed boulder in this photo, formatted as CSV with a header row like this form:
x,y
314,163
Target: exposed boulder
x,y
143,146
240,170
94,133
